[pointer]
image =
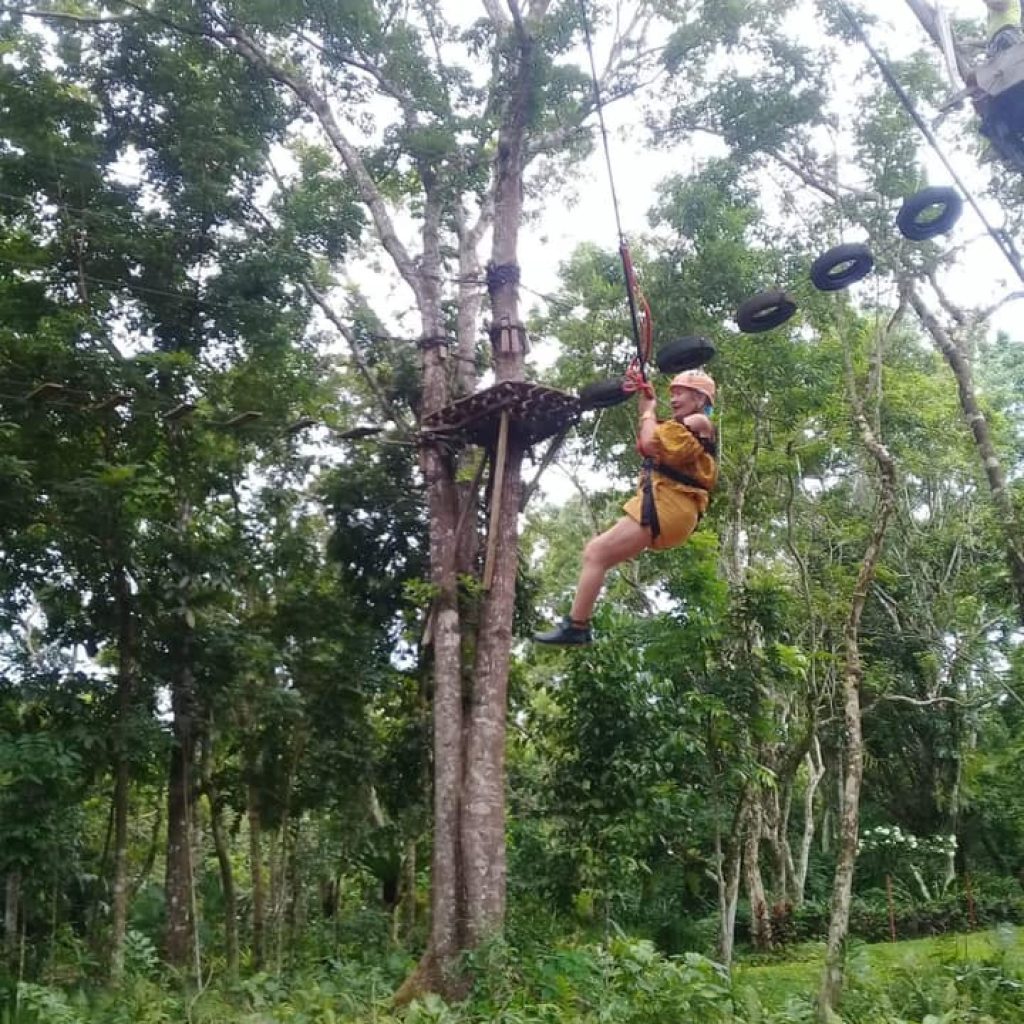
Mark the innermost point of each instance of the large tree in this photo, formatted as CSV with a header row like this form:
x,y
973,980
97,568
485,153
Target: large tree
x,y
418,130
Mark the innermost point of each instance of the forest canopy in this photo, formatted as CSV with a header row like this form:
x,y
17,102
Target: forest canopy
x,y
269,707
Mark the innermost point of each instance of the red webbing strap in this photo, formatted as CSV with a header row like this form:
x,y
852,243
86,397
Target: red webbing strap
x,y
639,310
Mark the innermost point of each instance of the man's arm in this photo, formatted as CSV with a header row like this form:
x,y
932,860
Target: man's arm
x,y
648,422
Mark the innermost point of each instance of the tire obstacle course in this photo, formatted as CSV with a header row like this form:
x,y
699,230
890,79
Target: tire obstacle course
x,y
926,214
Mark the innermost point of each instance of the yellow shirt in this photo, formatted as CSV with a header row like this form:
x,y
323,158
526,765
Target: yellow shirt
x,y
998,20
679,505
680,449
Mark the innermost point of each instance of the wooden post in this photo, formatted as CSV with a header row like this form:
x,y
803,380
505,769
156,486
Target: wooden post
x,y
497,485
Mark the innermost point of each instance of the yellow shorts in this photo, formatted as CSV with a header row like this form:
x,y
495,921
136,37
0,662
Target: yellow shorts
x,y
678,513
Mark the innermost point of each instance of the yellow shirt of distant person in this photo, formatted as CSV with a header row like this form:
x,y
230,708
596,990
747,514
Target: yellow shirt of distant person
x,y
1001,14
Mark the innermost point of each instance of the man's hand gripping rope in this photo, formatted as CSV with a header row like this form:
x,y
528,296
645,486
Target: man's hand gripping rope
x,y
635,381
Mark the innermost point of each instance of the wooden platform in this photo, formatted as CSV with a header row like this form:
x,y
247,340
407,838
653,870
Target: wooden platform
x,y
535,413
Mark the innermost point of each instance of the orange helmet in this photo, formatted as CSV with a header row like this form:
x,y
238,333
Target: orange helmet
x,y
696,380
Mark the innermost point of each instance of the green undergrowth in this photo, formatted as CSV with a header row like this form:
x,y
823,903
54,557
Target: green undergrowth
x,y
933,963
974,978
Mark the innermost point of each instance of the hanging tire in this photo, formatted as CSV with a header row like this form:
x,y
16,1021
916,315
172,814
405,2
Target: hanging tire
x,y
603,394
841,266
684,354
764,312
917,227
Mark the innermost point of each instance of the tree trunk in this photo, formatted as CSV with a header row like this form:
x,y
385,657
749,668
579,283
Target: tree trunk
x,y
468,868
259,910
292,876
786,862
122,771
815,773
842,886
222,848
97,906
1001,498
12,906
280,874
953,820
178,884
483,809
273,898
760,917
119,881
483,819
727,869
408,903
151,850
774,830
468,857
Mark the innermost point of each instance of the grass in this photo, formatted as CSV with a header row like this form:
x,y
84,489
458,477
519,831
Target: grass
x,y
800,973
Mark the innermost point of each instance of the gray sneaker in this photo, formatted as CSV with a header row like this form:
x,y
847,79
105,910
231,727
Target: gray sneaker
x,y
568,634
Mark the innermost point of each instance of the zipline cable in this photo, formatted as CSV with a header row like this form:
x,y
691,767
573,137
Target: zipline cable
x,y
1006,246
643,345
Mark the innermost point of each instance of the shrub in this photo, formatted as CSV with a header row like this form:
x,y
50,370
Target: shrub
x,y
869,915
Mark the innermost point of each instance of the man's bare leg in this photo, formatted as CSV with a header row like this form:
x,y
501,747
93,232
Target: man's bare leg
x,y
618,544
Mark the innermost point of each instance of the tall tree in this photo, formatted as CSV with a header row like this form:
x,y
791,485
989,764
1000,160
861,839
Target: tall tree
x,y
466,151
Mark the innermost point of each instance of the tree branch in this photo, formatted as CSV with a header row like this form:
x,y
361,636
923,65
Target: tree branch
x,y
817,181
80,19
955,312
988,311
385,85
919,702
501,21
237,39
387,407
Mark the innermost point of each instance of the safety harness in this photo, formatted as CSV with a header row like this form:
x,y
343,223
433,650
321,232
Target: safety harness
x,y
648,506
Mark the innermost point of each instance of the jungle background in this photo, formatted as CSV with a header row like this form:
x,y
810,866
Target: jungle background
x,y
216,667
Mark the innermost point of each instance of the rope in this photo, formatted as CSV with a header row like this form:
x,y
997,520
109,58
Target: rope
x,y
639,310
1005,245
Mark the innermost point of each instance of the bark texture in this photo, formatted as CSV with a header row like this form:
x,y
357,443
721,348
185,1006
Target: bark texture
x,y
126,661
853,773
178,933
954,354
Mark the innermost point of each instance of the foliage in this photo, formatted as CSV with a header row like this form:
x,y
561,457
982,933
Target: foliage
x,y
623,979
199,540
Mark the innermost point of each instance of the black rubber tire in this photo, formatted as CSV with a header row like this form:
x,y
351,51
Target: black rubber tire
x,y
908,220
841,266
603,394
684,354
764,312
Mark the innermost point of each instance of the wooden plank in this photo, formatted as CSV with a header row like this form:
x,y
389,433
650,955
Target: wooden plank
x,y
535,412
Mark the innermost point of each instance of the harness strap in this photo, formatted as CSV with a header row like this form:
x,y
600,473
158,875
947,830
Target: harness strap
x,y
648,510
676,475
648,506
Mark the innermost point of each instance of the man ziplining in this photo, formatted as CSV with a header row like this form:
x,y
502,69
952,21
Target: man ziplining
x,y
680,471
680,454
